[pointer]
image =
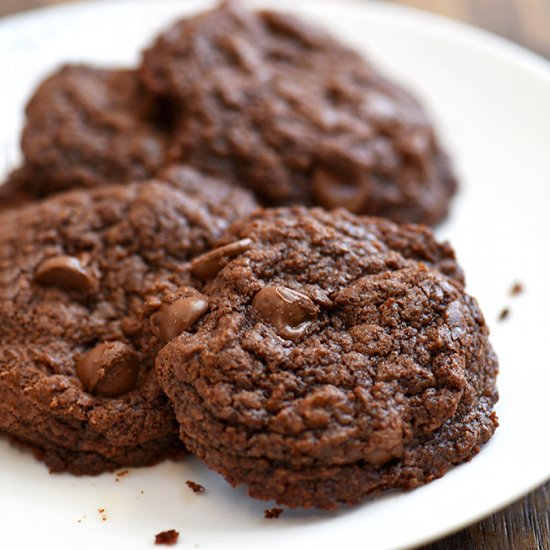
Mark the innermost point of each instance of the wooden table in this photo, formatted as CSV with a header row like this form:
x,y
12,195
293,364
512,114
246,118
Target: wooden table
x,y
524,525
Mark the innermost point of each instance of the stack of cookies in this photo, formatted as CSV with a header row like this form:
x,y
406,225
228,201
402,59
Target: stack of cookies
x,y
190,261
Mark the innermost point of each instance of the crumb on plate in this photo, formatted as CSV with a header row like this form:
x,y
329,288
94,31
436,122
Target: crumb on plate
x,y
195,487
516,289
273,513
504,314
168,538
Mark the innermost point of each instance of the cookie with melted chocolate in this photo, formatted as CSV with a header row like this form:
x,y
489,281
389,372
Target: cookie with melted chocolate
x,y
283,108
334,356
76,365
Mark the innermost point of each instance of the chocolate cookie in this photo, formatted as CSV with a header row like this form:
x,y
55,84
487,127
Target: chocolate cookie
x,y
283,108
76,377
16,190
332,356
87,126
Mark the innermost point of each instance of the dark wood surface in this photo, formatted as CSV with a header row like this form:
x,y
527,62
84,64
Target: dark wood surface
x,y
524,525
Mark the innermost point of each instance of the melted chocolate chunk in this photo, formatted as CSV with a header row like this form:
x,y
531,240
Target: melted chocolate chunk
x,y
340,356
208,265
77,382
110,369
65,272
288,310
172,319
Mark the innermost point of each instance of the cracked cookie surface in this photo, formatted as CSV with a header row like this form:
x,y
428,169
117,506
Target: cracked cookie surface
x,y
283,108
332,356
86,126
77,382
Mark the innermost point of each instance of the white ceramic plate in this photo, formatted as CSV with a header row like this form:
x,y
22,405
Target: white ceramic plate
x,y
491,102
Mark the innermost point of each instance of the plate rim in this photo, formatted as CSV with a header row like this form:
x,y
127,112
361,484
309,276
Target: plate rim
x,y
418,19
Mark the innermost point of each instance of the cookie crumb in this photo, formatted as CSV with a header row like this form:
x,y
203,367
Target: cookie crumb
x,y
504,314
273,513
120,474
195,487
102,513
168,538
517,289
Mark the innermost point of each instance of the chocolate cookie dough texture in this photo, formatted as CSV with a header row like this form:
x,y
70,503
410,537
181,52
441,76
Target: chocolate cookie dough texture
x,y
16,191
326,356
88,126
77,382
281,107
258,98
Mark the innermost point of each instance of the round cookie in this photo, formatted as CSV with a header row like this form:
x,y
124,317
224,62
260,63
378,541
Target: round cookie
x,y
77,382
329,357
283,108
87,126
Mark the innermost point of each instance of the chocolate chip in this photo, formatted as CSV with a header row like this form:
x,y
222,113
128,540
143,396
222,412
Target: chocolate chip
x,y
110,369
208,265
331,191
65,272
378,457
130,326
172,319
290,311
